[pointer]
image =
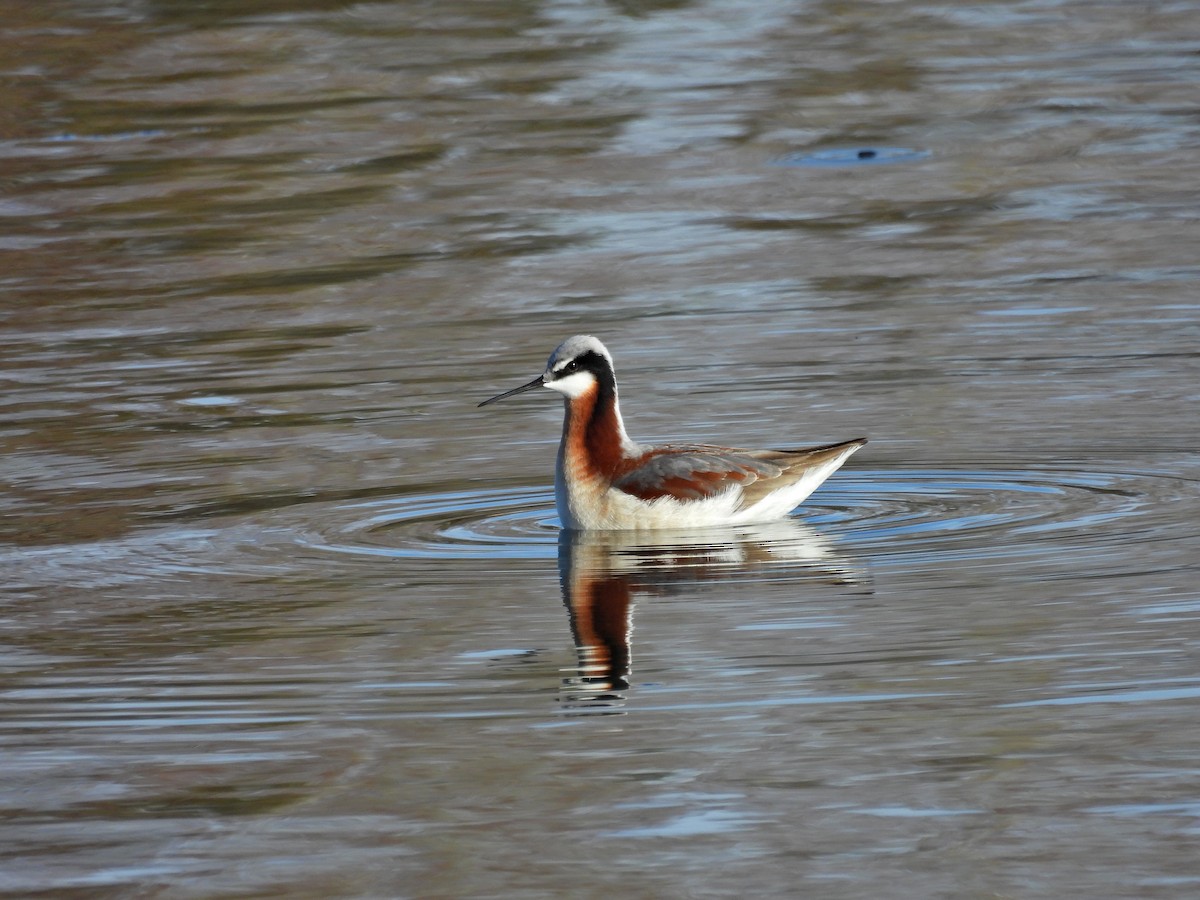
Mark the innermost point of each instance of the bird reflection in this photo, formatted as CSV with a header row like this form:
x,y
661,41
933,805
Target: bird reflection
x,y
603,572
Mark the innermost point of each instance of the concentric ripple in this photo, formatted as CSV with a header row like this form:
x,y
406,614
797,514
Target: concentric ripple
x,y
913,514
893,514
884,517
519,522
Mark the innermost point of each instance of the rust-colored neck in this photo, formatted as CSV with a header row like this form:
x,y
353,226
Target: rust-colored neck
x,y
593,436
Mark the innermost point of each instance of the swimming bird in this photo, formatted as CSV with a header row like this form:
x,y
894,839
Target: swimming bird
x,y
604,480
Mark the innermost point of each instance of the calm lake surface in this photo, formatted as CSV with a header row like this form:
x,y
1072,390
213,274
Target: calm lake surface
x,y
283,614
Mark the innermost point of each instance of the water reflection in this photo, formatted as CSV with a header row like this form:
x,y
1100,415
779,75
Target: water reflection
x,y
602,573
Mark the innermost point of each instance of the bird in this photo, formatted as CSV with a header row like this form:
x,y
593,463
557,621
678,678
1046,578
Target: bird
x,y
604,480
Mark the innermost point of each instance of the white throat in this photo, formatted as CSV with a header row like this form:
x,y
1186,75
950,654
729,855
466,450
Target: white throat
x,y
573,386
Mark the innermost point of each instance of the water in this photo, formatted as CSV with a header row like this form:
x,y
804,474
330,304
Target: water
x,y
283,614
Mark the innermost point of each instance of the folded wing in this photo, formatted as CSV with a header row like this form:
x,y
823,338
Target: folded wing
x,y
696,472
693,473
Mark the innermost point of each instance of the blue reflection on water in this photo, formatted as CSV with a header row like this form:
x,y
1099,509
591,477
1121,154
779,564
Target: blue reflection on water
x,y
852,156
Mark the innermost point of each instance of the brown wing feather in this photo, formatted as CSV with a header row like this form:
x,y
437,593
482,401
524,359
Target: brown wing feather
x,y
694,472
795,463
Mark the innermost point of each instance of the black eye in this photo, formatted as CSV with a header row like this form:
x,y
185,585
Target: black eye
x,y
573,366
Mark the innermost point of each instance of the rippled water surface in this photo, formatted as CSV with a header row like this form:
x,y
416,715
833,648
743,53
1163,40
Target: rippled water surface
x,y
284,614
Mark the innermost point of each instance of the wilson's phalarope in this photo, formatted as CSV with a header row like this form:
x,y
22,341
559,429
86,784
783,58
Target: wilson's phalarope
x,y
605,480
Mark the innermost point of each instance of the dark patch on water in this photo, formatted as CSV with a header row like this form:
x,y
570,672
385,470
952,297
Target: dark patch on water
x,y
853,156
